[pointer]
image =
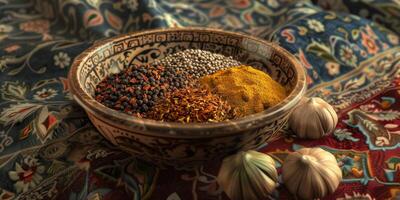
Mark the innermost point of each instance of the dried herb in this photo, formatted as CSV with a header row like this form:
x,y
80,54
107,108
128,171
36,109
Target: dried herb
x,y
191,104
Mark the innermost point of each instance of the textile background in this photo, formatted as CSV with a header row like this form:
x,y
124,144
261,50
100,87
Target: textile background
x,y
49,149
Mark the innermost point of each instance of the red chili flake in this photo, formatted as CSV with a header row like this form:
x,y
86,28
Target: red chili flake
x,y
130,89
99,98
191,104
123,98
144,77
117,106
146,87
160,67
132,101
133,80
165,86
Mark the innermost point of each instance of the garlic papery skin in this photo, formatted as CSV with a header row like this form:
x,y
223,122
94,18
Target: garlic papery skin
x,y
313,118
248,175
311,173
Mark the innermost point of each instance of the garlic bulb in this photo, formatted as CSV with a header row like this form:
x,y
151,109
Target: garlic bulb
x,y
248,175
313,118
311,173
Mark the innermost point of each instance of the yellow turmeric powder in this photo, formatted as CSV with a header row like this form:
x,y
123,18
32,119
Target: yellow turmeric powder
x,y
246,89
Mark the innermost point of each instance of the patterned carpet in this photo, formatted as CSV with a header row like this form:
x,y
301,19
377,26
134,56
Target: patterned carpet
x,y
49,149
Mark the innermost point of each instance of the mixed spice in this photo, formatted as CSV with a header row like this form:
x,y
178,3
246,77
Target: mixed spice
x,y
190,86
137,88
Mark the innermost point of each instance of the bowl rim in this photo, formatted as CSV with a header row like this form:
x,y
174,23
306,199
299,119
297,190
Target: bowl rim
x,y
94,107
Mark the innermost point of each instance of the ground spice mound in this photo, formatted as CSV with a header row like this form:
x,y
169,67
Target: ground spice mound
x,y
245,88
189,105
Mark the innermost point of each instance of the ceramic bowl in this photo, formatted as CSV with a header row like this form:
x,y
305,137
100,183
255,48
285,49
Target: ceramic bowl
x,y
184,145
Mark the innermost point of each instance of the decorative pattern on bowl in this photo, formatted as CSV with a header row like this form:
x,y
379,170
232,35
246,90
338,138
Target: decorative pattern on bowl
x,y
184,145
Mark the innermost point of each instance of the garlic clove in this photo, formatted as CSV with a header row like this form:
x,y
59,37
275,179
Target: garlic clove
x,y
311,173
313,118
248,175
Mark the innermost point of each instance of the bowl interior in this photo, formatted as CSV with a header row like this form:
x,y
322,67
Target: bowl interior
x,y
114,54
